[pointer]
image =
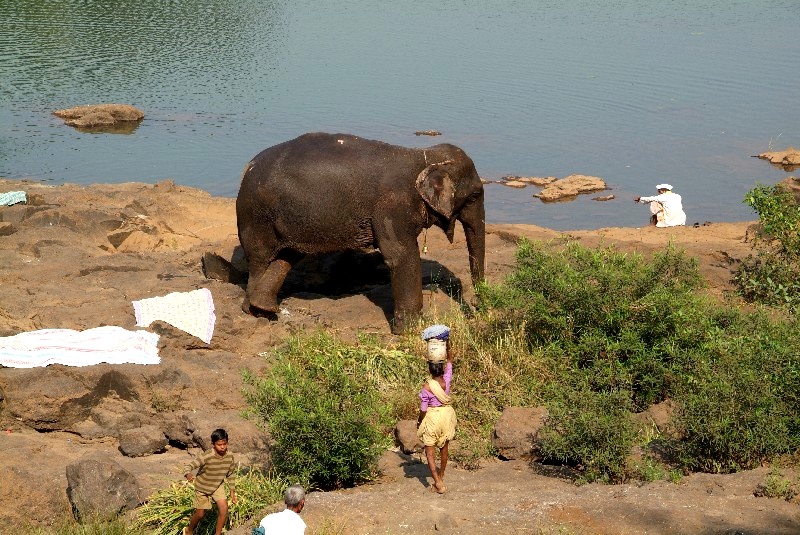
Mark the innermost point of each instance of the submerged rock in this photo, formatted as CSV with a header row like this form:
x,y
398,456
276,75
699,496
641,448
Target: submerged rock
x,y
571,186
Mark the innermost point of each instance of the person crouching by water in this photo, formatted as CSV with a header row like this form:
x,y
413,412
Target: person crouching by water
x,y
436,425
666,207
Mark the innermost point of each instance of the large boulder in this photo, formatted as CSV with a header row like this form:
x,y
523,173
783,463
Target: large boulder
x,y
141,441
244,436
100,488
514,434
405,436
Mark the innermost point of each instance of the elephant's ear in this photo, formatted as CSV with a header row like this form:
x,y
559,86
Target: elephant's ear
x,y
437,188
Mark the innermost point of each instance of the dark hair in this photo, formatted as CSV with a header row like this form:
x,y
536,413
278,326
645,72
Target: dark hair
x,y
436,368
219,434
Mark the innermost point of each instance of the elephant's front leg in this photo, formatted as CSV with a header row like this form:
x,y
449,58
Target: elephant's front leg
x,y
405,270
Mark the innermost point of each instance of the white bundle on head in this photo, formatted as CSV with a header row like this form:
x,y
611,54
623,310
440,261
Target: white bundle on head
x,y
440,332
437,350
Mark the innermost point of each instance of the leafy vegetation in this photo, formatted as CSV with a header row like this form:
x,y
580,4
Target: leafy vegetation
x,y
321,403
772,275
617,327
775,485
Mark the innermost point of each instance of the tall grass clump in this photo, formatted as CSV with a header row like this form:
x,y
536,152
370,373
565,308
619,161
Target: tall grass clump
x,y
322,404
493,369
168,510
772,275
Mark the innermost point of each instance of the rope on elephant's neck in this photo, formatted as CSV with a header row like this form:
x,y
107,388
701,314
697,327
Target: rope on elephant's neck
x,y
425,233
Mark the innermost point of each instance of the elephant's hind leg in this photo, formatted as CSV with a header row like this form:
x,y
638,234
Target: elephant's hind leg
x,y
263,285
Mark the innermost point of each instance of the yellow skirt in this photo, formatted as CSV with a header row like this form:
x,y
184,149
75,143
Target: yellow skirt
x,y
438,426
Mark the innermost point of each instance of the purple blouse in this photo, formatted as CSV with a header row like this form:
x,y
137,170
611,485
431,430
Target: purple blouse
x,y
428,398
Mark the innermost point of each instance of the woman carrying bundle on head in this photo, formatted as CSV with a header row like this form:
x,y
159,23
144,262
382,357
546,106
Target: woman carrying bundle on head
x,y
436,425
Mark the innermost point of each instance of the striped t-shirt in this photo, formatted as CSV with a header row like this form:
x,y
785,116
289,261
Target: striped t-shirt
x,y
213,471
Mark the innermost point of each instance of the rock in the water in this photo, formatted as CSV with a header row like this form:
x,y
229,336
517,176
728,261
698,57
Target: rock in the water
x,y
786,158
571,186
604,198
99,115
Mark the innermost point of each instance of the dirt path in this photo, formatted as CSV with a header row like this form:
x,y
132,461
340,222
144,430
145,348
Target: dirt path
x,y
516,497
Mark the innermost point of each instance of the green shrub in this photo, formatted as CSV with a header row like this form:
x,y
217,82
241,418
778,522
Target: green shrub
x,y
772,276
649,470
611,319
612,325
591,430
779,215
739,403
323,411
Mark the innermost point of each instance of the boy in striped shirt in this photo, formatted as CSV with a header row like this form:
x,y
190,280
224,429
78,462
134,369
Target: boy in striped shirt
x,y
214,468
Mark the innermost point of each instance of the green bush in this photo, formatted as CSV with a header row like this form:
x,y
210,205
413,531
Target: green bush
x,y
775,485
779,214
591,430
323,411
609,325
772,276
739,403
612,319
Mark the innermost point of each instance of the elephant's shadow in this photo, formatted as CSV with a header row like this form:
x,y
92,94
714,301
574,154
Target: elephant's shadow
x,y
337,275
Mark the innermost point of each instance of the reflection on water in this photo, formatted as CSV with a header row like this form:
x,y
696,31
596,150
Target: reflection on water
x,y
636,93
124,127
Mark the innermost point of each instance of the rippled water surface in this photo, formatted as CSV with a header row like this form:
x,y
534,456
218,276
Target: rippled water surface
x,y
634,92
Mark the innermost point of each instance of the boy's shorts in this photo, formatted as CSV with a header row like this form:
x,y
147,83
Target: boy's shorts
x,y
204,501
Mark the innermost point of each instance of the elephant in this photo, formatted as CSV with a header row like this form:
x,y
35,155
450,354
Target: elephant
x,y
323,193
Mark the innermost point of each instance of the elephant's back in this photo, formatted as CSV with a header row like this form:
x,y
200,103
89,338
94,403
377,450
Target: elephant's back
x,y
322,168
317,185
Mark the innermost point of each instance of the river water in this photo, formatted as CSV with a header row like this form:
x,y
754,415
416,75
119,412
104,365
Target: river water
x,y
637,93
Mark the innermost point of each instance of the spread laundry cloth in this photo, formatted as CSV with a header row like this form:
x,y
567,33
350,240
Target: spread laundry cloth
x,y
110,344
12,197
192,312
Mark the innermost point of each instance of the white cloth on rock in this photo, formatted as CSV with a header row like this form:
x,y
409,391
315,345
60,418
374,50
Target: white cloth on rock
x,y
109,344
12,197
192,312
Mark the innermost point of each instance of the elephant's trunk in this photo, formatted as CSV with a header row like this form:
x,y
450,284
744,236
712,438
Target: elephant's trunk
x,y
472,218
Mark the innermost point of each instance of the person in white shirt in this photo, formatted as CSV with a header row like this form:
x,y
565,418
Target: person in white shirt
x,y
666,207
288,521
